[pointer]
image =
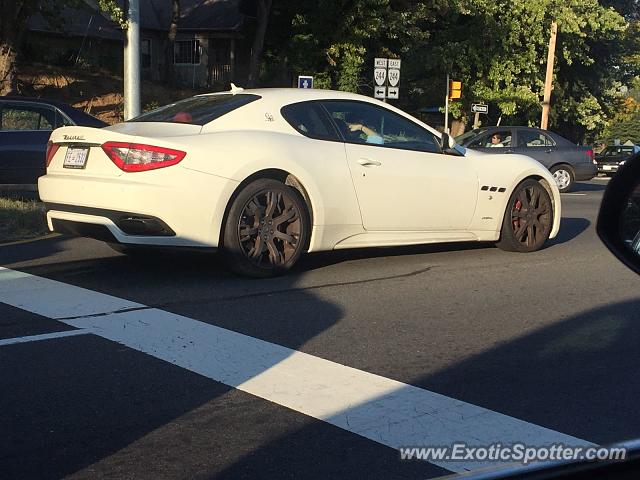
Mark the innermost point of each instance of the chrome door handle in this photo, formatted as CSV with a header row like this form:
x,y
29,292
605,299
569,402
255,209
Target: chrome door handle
x,y
367,162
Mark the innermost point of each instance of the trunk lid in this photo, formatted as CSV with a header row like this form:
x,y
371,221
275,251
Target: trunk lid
x,y
80,148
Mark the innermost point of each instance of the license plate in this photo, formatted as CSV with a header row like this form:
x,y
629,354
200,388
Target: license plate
x,y
76,157
607,167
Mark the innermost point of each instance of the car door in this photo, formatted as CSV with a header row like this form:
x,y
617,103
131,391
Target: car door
x,y
24,131
538,145
403,182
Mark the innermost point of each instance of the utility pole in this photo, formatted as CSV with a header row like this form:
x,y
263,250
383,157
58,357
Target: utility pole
x,y
132,61
548,81
446,108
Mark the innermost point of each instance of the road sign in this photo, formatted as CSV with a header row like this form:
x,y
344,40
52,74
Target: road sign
x,y
394,76
480,108
394,63
305,81
380,92
386,75
380,76
380,63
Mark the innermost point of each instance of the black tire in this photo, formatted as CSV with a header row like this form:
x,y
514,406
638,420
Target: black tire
x,y
266,230
564,177
528,219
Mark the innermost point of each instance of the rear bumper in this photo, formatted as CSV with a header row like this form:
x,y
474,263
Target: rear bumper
x,y
608,167
585,171
128,223
174,208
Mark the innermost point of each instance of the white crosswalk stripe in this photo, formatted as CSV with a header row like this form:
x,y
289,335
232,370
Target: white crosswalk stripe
x,y
381,409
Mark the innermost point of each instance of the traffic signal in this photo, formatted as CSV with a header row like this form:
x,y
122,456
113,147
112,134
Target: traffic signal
x,y
455,89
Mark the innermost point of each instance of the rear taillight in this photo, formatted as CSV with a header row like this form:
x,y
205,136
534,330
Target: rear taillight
x,y
591,156
52,148
135,157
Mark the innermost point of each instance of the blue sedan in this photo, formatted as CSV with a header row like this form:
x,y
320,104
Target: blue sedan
x,y
25,127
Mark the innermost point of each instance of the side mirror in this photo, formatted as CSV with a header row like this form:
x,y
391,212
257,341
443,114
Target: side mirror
x,y
450,147
619,218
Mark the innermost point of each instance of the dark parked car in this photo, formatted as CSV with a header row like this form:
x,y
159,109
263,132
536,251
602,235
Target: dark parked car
x,y
566,161
613,157
25,126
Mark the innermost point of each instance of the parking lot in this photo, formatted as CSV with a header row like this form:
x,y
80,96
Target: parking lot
x,y
168,366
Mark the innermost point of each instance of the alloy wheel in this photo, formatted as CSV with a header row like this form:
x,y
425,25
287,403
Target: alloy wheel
x,y
531,216
269,229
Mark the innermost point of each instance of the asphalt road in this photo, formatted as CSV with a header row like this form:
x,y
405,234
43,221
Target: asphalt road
x,y
549,338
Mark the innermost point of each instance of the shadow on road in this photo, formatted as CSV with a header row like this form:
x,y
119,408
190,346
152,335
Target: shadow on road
x,y
317,260
579,187
570,228
92,405
577,377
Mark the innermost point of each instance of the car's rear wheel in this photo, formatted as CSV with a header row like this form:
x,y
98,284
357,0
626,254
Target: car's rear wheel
x,y
564,177
528,219
266,229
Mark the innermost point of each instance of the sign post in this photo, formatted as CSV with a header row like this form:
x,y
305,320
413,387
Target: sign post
x,y
478,108
446,108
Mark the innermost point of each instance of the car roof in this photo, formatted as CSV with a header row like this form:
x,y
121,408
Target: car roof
x,y
16,98
289,95
77,116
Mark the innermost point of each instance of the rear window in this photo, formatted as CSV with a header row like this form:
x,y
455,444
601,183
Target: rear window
x,y
197,110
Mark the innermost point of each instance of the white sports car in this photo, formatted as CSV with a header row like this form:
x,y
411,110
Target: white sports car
x,y
265,175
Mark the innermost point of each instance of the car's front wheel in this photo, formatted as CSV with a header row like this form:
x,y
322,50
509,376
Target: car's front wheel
x,y
528,219
266,229
564,177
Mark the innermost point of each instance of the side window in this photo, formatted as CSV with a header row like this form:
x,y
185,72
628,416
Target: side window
x,y
309,119
17,117
528,138
501,138
360,122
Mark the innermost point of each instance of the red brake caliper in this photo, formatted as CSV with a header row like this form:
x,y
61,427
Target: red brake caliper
x,y
516,221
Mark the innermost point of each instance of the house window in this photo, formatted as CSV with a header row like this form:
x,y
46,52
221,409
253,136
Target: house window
x,y
186,51
145,52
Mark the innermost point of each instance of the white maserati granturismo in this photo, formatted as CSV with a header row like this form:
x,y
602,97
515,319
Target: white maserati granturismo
x,y
266,175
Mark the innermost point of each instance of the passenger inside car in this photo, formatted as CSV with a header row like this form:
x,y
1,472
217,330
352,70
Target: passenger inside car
x,y
499,139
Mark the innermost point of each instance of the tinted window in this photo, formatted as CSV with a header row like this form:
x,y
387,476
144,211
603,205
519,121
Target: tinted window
x,y
527,138
26,117
309,119
360,122
197,110
500,138
460,139
614,151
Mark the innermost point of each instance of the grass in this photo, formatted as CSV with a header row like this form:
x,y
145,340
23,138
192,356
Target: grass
x,y
21,219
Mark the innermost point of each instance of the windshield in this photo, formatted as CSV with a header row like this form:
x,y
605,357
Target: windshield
x,y
461,139
197,110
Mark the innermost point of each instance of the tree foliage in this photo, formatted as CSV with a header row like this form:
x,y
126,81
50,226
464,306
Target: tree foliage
x,y
497,48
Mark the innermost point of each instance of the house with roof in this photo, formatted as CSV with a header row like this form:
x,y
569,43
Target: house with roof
x,y
211,49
